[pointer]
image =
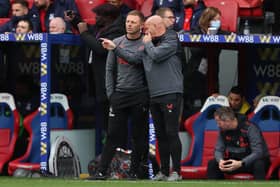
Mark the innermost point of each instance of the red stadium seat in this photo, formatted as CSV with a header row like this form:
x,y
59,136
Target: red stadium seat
x,y
3,21
267,117
85,8
131,3
250,8
61,117
145,6
229,10
203,131
9,129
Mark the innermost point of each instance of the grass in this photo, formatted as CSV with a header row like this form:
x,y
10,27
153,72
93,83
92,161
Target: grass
x,y
47,182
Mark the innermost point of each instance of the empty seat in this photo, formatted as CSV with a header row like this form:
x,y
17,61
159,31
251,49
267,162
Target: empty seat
x,y
250,8
9,129
145,6
203,131
61,117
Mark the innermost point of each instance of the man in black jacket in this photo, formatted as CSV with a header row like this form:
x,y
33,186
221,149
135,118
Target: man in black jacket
x,y
4,8
240,147
109,24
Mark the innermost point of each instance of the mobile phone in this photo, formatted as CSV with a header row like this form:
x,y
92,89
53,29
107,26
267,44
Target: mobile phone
x,y
228,162
69,13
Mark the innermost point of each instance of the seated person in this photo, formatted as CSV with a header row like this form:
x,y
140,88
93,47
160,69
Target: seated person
x,y
19,11
196,70
193,10
238,102
24,26
4,8
240,147
45,10
57,26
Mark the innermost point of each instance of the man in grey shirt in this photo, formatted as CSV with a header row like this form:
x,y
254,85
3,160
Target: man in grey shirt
x,y
128,95
240,147
163,70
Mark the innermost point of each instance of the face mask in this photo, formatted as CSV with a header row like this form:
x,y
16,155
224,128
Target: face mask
x,y
215,23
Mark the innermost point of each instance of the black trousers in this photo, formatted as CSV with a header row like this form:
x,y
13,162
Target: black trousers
x,y
257,168
117,129
165,113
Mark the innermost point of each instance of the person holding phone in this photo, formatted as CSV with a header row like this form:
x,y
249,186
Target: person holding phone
x,y
240,147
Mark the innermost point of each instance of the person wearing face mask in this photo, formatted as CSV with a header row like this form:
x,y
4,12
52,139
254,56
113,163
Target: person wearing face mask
x,y
19,11
109,24
192,12
197,68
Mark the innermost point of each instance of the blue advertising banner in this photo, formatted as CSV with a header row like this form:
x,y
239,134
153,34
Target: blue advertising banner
x,y
45,41
45,100
263,72
233,38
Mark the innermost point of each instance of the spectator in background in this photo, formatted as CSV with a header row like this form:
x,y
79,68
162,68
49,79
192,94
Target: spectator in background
x,y
124,9
192,12
197,68
4,8
109,24
45,10
57,26
19,11
238,102
167,16
24,26
176,6
240,147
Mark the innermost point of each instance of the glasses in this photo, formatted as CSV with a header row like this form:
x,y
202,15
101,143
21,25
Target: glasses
x,y
169,17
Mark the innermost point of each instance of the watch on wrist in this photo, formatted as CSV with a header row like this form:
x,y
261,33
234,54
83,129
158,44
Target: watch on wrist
x,y
242,163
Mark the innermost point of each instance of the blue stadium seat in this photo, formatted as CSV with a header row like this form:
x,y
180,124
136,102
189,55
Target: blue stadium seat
x,y
203,131
9,128
61,117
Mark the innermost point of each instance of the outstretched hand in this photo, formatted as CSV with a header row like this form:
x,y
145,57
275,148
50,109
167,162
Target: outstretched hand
x,y
108,44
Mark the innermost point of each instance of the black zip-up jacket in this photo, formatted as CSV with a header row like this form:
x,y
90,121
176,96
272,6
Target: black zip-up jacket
x,y
233,143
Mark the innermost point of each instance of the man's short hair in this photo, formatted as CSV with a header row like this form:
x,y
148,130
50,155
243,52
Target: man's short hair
x,y
107,10
26,20
137,13
161,11
236,90
225,113
23,3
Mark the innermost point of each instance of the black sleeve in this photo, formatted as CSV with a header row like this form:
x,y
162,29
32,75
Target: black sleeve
x,y
4,8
